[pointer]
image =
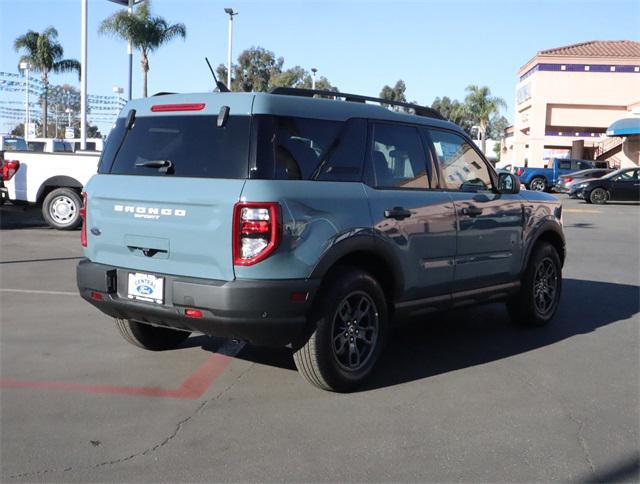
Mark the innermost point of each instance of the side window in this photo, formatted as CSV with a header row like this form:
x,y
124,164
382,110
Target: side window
x,y
397,157
461,166
343,162
301,144
564,165
626,176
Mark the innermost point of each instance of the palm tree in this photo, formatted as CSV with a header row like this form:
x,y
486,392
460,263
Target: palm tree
x,y
481,105
44,54
145,32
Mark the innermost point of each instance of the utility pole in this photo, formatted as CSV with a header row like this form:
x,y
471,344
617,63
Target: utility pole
x,y
130,52
25,67
83,77
231,14
313,77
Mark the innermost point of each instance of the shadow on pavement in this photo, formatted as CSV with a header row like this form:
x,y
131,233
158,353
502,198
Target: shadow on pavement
x,y
627,470
444,342
461,339
13,217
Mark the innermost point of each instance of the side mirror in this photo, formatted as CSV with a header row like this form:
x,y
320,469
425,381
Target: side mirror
x,y
508,183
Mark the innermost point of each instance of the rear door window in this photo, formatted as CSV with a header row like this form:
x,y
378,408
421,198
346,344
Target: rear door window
x,y
194,145
397,157
292,148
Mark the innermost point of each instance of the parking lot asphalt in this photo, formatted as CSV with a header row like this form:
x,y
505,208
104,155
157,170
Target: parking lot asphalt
x,y
463,396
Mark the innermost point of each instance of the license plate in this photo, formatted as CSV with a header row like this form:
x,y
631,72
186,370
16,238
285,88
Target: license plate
x,y
146,287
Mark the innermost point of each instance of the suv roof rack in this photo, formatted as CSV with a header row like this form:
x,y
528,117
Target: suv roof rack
x,y
418,110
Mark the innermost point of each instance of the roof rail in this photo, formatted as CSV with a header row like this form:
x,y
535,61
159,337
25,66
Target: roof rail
x,y
418,110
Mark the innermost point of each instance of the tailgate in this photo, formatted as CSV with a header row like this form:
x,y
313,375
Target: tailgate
x,y
178,226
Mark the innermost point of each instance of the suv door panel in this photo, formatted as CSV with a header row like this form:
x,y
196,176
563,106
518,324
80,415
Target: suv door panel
x,y
489,225
419,224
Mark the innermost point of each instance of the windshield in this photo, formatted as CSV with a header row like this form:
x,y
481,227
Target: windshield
x,y
14,144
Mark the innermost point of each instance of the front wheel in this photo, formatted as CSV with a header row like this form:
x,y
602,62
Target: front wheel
x,y
538,184
154,338
598,196
350,329
537,300
61,209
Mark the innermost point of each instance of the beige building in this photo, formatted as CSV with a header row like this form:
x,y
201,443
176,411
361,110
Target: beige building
x,y
567,97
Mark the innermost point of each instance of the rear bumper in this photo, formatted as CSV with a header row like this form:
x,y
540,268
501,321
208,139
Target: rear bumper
x,y
260,311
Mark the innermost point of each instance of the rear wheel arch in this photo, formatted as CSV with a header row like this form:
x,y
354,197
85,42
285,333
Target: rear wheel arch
x,y
59,181
377,266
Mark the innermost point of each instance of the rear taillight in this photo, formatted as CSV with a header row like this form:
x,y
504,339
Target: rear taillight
x,y
520,171
257,228
83,214
9,168
568,179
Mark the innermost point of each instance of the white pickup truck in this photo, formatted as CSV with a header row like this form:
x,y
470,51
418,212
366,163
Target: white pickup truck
x,y
54,180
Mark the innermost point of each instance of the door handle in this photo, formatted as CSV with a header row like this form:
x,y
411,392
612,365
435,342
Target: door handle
x,y
471,211
398,213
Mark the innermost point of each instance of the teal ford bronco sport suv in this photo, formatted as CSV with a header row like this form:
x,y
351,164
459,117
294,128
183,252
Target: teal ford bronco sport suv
x,y
295,219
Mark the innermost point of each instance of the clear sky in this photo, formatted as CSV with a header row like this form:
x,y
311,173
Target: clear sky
x,y
436,47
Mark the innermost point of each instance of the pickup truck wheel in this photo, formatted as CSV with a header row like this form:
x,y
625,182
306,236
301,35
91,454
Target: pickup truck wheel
x,y
538,184
149,337
61,209
350,329
537,300
599,196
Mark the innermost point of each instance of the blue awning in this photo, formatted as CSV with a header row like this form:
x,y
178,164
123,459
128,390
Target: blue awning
x,y
624,127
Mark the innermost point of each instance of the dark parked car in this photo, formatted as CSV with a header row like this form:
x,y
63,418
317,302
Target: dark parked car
x,y
566,182
621,185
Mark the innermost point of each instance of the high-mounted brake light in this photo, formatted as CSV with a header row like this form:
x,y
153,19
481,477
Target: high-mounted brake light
x,y
9,168
83,215
162,108
257,228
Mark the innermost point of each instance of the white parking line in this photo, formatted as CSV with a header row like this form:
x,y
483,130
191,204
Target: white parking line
x,y
33,291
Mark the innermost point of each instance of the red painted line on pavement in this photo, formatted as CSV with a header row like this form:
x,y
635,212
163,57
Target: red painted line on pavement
x,y
192,388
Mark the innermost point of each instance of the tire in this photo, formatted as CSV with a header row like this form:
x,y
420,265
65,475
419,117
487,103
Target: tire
x,y
340,355
538,184
61,209
598,196
541,286
149,337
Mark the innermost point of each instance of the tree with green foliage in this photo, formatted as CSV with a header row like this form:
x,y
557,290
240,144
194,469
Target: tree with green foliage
x,y
481,106
454,111
497,125
259,70
145,32
44,54
395,93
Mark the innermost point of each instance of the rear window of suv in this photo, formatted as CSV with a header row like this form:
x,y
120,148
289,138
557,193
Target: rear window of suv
x,y
194,145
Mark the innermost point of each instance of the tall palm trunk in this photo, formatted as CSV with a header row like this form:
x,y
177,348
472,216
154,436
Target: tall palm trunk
x,y
45,102
144,62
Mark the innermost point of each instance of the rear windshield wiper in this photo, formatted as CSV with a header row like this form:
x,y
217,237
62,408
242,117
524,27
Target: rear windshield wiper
x,y
163,166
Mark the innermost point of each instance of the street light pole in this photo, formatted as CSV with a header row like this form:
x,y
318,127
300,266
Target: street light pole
x,y
231,14
130,52
313,77
83,77
25,66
